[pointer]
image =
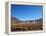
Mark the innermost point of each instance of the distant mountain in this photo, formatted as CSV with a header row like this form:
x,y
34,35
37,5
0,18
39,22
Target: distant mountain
x,y
39,20
14,19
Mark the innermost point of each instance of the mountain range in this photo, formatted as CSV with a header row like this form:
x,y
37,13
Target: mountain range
x,y
14,19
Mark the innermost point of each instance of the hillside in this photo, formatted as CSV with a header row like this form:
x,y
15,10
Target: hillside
x,y
18,25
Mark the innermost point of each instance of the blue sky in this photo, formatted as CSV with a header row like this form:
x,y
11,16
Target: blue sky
x,y
26,12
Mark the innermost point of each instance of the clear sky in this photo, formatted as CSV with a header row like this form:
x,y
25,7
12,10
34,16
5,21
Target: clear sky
x,y
26,12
